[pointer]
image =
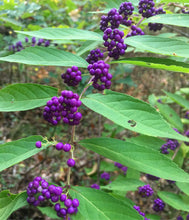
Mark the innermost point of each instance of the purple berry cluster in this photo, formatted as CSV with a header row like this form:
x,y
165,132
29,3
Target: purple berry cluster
x,y
95,186
113,17
170,144
135,31
141,213
186,133
113,40
185,12
105,176
34,42
72,76
100,72
126,8
156,26
146,8
158,205
39,190
186,115
120,166
64,107
180,218
151,177
171,181
145,191
94,55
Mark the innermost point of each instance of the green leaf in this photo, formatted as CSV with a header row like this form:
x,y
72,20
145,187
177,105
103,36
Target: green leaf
x,y
132,173
178,99
63,33
153,217
49,211
98,205
131,113
160,45
184,90
22,97
45,56
171,19
11,202
170,115
12,21
86,46
138,157
179,202
123,184
150,142
184,187
106,166
17,151
156,63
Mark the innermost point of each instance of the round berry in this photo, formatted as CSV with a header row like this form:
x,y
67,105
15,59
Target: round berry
x,y
63,197
59,146
67,147
63,211
68,202
54,198
57,190
57,207
75,203
71,162
71,210
38,144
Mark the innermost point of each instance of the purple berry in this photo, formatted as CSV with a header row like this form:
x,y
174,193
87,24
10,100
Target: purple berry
x,y
63,212
67,147
59,146
57,207
75,203
68,202
63,197
54,198
71,162
51,188
180,218
38,144
44,184
71,210
33,40
47,43
41,198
